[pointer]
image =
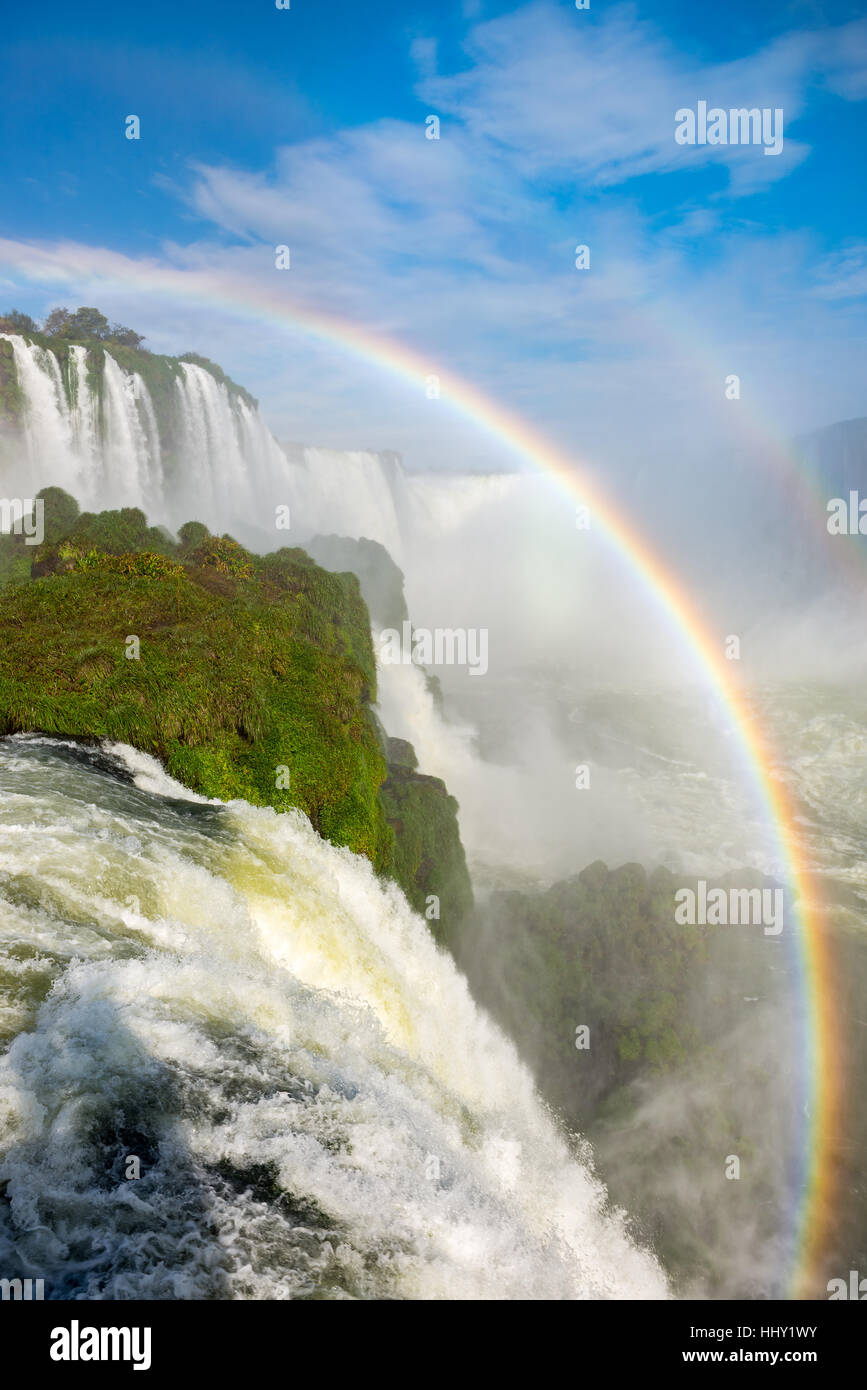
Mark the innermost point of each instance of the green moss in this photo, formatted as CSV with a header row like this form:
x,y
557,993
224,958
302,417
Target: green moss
x,y
15,559
429,856
237,678
380,579
252,679
601,950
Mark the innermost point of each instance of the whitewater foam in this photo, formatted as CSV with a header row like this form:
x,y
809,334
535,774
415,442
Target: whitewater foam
x,y
319,1107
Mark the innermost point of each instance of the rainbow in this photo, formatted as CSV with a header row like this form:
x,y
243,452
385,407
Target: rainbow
x,y
804,486
820,1061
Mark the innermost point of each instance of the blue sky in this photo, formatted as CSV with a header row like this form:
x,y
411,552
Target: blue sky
x,y
306,127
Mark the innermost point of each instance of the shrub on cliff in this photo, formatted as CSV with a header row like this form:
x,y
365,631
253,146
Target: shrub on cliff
x,y
429,858
249,676
240,692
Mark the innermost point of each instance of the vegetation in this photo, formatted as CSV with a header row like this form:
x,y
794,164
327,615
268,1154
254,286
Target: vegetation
x,y
429,856
680,1065
80,325
244,668
380,579
88,327
16,322
88,324
248,676
600,950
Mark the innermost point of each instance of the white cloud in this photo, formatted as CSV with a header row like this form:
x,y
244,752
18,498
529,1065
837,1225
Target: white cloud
x,y
464,249
596,101
844,274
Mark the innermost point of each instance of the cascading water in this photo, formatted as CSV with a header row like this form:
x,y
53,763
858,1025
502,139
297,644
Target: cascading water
x,y
104,450
84,409
229,466
354,493
317,1106
128,453
46,424
207,454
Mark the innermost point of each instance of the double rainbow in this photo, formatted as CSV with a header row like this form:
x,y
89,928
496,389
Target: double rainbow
x,y
820,1060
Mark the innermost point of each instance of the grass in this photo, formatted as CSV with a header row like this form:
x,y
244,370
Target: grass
x,y
237,676
249,677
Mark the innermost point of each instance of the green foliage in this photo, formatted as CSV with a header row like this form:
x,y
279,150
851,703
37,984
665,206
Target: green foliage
x,y
380,579
143,562
60,513
88,324
291,571
114,532
56,322
602,950
14,321
193,534
676,1074
16,558
429,856
125,337
248,664
232,683
225,555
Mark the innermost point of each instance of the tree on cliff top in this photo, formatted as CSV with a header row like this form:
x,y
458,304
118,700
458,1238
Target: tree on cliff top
x,y
16,322
90,324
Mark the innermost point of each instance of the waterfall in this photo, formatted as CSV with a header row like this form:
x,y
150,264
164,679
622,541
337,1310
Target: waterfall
x,y
229,468
85,415
46,423
317,1107
205,454
350,493
103,448
129,457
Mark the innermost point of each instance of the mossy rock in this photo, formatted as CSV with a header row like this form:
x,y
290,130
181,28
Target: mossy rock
x,y
254,679
401,753
380,579
235,680
429,857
